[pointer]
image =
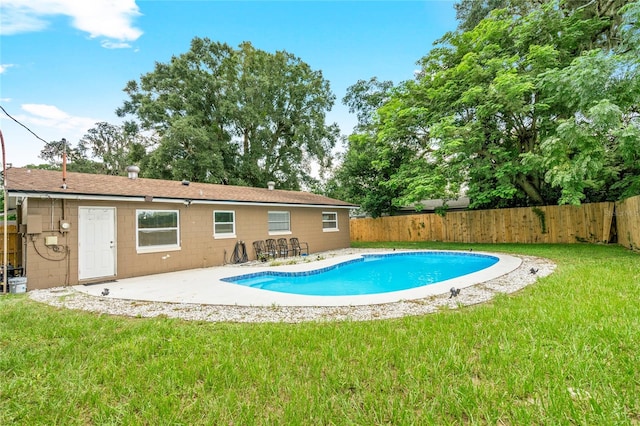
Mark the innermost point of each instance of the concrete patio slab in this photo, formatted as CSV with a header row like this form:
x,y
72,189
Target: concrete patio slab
x,y
204,286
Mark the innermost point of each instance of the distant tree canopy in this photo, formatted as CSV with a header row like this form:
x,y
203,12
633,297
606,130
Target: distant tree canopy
x,y
76,159
242,116
115,147
535,103
104,149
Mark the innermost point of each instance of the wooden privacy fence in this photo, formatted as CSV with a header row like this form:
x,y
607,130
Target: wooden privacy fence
x,y
13,241
547,224
627,216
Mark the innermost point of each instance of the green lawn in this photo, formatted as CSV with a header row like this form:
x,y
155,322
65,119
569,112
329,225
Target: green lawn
x,y
563,351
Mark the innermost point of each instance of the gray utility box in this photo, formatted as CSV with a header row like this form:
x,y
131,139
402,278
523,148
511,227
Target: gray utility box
x,y
18,285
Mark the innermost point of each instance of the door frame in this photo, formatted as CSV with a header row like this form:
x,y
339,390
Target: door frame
x,y
115,241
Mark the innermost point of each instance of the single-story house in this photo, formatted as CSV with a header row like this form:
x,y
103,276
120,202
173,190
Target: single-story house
x,y
79,228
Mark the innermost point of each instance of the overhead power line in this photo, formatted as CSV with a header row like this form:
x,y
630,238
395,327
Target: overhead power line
x,y
28,129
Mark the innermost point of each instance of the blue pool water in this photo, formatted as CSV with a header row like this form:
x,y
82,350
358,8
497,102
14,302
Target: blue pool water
x,y
371,274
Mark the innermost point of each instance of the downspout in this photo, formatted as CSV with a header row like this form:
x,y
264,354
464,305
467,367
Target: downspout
x,y
64,186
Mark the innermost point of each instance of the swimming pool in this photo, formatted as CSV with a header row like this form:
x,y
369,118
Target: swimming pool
x,y
370,274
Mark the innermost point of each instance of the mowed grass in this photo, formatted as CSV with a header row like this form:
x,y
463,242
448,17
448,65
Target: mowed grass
x,y
563,351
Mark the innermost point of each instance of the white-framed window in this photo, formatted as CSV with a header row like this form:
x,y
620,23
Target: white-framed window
x,y
157,230
224,224
329,221
279,223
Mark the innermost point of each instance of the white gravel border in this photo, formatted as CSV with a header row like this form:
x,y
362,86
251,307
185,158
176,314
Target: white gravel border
x,y
69,298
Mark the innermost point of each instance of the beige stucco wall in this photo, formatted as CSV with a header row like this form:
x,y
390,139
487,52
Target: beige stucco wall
x,y
51,266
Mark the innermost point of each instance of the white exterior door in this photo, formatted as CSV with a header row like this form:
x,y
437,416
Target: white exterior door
x,y
96,242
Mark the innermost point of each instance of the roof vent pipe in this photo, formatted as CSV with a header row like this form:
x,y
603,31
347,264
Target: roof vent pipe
x,y
64,163
271,185
132,172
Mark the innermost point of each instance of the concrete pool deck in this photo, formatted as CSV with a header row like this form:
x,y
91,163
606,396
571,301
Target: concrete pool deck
x,y
204,286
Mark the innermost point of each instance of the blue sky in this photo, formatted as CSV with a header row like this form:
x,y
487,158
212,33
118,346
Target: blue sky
x,y
64,63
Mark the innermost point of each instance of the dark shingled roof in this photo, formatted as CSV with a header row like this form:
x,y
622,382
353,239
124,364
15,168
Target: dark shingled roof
x,y
36,181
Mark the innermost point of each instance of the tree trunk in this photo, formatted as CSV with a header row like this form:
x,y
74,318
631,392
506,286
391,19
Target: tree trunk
x,y
530,189
245,144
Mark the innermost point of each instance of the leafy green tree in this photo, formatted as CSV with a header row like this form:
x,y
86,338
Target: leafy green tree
x,y
365,97
367,165
484,112
114,147
185,153
104,149
52,152
364,181
595,149
237,115
470,13
76,158
42,166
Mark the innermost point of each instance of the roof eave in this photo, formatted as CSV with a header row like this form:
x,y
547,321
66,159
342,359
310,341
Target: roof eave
x,y
143,199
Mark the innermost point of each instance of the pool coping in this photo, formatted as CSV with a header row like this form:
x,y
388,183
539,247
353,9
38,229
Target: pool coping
x,y
205,285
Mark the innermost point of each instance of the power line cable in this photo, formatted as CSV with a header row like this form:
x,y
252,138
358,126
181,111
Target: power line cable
x,y
28,129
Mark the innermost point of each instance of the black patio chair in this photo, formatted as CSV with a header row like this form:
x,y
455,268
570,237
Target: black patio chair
x,y
283,247
272,247
297,247
260,249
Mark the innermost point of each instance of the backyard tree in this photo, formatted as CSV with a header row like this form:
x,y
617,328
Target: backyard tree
x,y
493,107
241,115
104,149
358,178
76,159
114,147
595,147
469,13
365,97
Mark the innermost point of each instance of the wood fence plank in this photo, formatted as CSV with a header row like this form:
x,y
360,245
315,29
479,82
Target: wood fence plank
x,y
562,224
14,256
606,227
627,214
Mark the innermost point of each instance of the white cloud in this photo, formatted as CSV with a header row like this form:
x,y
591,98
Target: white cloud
x,y
111,19
45,111
4,67
53,117
107,44
16,19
